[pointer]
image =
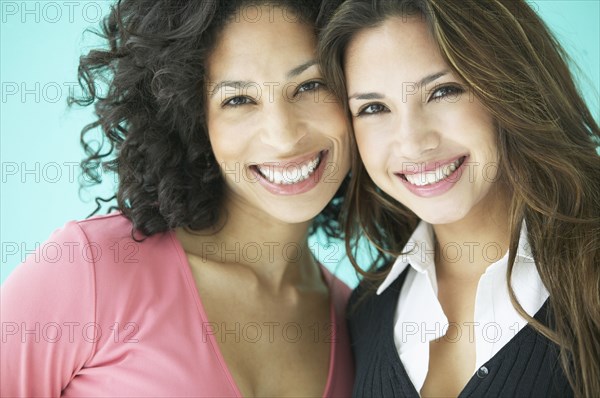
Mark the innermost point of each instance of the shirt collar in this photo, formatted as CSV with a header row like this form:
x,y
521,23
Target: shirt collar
x,y
524,248
419,253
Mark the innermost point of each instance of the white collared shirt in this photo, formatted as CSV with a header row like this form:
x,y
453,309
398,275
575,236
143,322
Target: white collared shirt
x,y
420,319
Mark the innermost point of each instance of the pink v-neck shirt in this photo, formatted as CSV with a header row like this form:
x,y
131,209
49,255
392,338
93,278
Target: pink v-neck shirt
x,y
93,313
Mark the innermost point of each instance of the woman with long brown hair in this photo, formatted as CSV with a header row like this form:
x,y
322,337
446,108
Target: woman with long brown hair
x,y
479,184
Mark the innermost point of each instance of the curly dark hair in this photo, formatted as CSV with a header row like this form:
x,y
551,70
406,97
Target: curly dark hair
x,y
152,117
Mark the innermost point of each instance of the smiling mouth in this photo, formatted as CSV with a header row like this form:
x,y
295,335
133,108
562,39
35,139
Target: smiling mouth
x,y
290,173
431,177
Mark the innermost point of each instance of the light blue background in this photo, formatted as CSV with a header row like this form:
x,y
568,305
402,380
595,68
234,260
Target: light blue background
x,y
40,43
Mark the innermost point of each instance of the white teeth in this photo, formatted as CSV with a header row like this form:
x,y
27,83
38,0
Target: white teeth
x,y
291,174
277,177
433,176
304,171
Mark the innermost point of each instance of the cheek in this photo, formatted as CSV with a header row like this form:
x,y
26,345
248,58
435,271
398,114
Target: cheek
x,y
474,118
371,149
328,120
328,116
221,151
489,151
228,140
490,166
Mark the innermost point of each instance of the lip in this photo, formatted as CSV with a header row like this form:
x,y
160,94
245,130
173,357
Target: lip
x,y
282,164
440,187
300,187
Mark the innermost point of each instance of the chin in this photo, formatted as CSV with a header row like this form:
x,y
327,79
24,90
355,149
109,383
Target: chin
x,y
295,215
439,218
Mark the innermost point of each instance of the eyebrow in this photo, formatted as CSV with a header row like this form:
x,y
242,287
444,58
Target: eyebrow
x,y
423,82
301,68
237,84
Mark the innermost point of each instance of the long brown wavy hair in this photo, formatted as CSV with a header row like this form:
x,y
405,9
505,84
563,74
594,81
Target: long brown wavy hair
x,y
547,141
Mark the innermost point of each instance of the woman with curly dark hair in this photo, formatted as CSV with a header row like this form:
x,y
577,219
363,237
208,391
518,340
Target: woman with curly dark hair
x,y
479,183
229,151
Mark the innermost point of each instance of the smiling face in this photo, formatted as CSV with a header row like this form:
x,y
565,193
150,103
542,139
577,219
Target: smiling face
x,y
423,137
281,141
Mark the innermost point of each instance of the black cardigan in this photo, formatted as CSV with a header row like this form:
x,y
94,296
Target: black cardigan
x,y
527,366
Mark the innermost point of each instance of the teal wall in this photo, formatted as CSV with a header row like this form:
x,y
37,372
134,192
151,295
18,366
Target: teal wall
x,y
40,42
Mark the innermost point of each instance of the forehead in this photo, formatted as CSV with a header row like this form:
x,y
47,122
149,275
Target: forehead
x,y
400,45
271,40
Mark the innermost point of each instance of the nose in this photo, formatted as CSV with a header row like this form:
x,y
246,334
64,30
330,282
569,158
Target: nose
x,y
415,135
281,128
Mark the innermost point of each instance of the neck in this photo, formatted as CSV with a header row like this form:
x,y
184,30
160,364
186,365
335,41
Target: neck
x,y
273,253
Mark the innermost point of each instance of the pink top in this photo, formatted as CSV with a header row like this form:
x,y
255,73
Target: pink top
x,y
93,313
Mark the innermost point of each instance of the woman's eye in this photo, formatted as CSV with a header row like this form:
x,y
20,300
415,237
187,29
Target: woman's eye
x,y
309,86
446,91
237,101
372,109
